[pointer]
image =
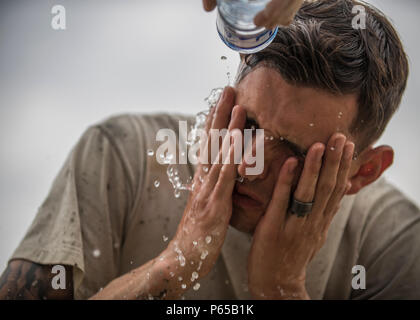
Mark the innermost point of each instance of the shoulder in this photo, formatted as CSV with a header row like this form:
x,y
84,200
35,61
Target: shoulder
x,y
381,215
383,200
134,125
385,228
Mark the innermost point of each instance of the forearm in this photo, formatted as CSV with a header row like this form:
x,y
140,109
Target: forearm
x,y
282,292
157,279
26,280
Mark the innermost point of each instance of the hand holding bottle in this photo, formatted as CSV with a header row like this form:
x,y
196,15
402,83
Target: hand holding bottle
x,y
276,13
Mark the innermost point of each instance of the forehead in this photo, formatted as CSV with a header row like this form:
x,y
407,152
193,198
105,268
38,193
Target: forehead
x,y
304,115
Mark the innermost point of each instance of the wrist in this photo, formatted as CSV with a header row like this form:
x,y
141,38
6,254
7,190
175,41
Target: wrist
x,y
179,272
281,291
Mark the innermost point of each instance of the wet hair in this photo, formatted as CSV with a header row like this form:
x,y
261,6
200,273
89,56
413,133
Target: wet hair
x,y
321,49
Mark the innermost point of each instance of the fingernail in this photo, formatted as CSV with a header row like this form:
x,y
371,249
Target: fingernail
x,y
349,150
321,153
234,111
223,93
339,142
292,167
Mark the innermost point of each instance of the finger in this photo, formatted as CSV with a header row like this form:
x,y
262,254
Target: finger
x,y
277,209
226,182
328,177
220,120
224,109
238,121
209,119
305,191
261,19
209,5
341,184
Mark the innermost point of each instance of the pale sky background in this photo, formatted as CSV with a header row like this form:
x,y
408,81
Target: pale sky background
x,y
128,56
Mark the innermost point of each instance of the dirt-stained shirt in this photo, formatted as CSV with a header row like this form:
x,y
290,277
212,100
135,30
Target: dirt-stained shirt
x,y
111,209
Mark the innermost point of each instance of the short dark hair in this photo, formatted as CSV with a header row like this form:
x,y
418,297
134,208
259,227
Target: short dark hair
x,y
321,49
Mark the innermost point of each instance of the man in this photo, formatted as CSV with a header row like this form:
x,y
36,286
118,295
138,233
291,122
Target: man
x,y
323,92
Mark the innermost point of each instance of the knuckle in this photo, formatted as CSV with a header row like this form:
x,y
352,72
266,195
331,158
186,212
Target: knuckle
x,y
327,187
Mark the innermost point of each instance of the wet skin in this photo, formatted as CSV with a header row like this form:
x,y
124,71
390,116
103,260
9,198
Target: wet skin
x,y
302,116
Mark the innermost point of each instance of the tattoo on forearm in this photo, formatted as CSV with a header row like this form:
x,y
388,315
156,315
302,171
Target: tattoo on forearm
x,y
24,280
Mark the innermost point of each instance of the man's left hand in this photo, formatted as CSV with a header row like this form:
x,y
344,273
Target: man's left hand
x,y
283,243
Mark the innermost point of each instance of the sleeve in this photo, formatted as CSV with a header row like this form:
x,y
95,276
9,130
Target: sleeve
x,y
390,253
81,221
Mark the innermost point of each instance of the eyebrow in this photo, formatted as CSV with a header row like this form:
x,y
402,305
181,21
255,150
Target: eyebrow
x,y
300,151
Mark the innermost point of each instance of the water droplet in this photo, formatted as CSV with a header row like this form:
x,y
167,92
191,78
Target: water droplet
x,y
96,253
171,274
177,193
183,286
157,183
165,238
199,265
271,138
281,138
194,276
179,278
204,254
311,124
150,152
182,261
332,148
208,239
194,243
206,169
240,179
131,262
196,286
223,58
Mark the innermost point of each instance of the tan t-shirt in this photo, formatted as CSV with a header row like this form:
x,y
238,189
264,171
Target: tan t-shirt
x,y
104,216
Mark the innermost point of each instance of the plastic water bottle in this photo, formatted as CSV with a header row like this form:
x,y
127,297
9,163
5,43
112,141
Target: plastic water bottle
x,y
236,27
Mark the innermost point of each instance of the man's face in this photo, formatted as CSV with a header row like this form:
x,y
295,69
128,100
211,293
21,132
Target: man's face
x,y
296,118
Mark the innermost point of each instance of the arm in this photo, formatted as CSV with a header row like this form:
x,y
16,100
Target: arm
x,y
190,255
25,280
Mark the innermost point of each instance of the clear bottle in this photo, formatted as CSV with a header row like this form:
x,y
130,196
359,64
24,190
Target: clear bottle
x,y
236,27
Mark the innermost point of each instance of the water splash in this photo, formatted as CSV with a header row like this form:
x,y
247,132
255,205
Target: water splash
x,y
96,253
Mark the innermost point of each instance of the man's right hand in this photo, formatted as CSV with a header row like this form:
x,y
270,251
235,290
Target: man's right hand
x,y
189,256
209,205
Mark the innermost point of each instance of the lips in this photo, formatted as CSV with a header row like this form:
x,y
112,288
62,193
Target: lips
x,y
244,197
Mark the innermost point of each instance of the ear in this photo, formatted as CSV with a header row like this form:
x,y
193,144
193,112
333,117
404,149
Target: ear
x,y
373,164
